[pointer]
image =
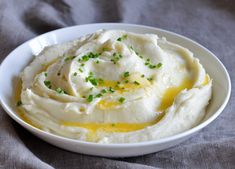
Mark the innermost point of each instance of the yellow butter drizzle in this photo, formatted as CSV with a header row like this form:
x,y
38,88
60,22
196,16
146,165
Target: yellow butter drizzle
x,y
17,97
167,100
172,92
107,104
120,88
111,127
206,81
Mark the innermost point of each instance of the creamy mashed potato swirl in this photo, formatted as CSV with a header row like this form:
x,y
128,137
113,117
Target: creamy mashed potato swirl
x,y
115,87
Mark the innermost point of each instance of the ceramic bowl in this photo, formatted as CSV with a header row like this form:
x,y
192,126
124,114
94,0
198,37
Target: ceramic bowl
x,y
15,62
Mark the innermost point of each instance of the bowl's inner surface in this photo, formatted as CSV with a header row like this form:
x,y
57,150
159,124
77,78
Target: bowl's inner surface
x,y
21,57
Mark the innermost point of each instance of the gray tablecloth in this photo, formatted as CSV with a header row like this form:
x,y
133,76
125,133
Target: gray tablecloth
x,y
209,22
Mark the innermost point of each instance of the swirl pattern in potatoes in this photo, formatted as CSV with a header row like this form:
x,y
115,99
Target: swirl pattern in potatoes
x,y
115,87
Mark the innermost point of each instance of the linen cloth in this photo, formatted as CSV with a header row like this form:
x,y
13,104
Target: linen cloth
x,y
209,22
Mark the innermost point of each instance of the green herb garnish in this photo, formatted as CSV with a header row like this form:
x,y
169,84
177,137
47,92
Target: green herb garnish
x,y
159,65
122,38
150,79
98,95
137,83
85,58
75,74
80,70
60,91
47,84
94,81
111,90
69,58
90,98
121,99
116,58
90,55
103,91
126,74
152,66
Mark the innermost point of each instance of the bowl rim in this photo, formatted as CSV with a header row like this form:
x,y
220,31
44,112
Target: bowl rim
x,y
120,145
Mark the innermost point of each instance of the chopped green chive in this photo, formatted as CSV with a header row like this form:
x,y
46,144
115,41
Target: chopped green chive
x,y
142,75
126,81
90,56
98,95
60,91
69,58
137,83
94,55
85,58
122,38
111,90
75,74
112,60
82,64
47,84
80,70
116,58
119,39
103,91
126,74
121,99
90,98
150,79
97,62
45,74
94,81
159,65
152,66
19,103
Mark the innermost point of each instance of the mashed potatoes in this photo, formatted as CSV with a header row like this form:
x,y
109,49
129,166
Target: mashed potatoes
x,y
115,87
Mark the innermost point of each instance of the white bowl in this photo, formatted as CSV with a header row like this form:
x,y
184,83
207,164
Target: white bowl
x,y
22,55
